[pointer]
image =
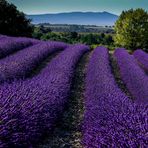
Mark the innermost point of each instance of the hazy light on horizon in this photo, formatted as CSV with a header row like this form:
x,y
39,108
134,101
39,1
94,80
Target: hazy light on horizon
x,y
57,6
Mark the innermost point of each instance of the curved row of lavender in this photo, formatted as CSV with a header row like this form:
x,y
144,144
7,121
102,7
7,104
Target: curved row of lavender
x,y
9,45
142,59
23,62
30,108
133,76
111,119
2,36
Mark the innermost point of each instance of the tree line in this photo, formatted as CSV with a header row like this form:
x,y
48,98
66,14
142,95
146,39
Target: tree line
x,y
77,28
45,33
131,29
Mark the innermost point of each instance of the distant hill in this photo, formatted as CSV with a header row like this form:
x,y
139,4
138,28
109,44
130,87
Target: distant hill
x,y
80,18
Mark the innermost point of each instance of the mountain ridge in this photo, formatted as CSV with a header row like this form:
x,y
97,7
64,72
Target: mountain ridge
x,y
79,18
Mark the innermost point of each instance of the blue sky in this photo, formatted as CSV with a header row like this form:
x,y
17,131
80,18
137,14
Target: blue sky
x,y
55,6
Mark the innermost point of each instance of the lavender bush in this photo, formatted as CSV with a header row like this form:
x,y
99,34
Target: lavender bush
x,y
2,36
133,76
9,45
111,119
23,62
142,59
30,108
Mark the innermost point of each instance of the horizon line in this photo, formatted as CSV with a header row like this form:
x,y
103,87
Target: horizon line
x,y
71,12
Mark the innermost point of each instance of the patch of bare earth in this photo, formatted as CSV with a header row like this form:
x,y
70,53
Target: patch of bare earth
x,y
67,133
117,76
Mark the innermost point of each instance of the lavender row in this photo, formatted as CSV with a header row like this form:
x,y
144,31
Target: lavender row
x,y
30,108
142,59
23,62
133,76
2,36
9,45
111,119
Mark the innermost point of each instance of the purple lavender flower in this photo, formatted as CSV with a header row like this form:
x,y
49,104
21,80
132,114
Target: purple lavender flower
x,y
142,59
9,45
23,62
133,76
111,119
30,108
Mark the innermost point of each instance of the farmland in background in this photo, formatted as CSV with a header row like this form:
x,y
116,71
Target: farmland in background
x,y
89,35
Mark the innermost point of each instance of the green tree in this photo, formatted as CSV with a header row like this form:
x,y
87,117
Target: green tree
x,y
107,40
45,29
37,33
73,35
13,22
132,29
89,39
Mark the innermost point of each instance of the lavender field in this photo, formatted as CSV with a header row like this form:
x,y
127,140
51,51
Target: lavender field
x,y
59,95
